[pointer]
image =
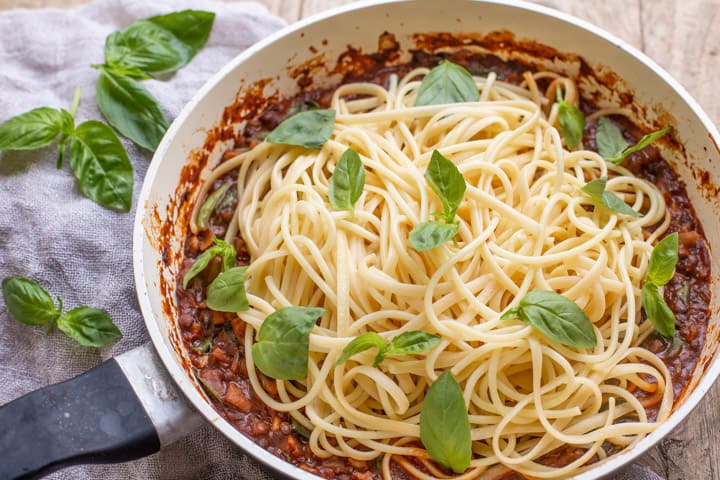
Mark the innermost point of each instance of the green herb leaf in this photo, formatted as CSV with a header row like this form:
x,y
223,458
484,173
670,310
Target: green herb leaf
x,y
131,109
158,44
300,429
596,191
207,387
90,327
557,317
431,234
28,302
347,181
310,129
227,292
445,424
414,341
361,343
281,351
663,259
447,83
34,129
612,145
204,346
191,27
657,310
609,139
447,182
101,165
208,207
221,248
572,122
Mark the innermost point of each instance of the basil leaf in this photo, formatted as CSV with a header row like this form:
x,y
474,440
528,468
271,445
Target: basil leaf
x,y
347,181
612,145
28,302
609,139
101,165
572,122
445,424
415,341
281,351
131,109
596,191
657,310
663,259
34,129
309,129
431,234
227,292
447,182
90,327
221,248
208,207
645,141
363,342
557,317
147,47
191,27
447,83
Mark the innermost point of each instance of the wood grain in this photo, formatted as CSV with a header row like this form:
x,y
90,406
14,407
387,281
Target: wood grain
x,y
683,36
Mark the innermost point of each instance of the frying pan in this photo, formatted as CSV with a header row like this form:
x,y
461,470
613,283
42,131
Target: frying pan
x,y
147,398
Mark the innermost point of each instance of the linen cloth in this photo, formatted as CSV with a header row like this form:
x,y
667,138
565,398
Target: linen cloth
x,y
78,250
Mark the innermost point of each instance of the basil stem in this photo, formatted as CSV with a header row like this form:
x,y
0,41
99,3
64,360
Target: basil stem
x,y
558,318
447,83
281,351
596,190
445,424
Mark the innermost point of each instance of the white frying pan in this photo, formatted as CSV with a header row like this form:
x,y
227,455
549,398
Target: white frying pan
x,y
147,398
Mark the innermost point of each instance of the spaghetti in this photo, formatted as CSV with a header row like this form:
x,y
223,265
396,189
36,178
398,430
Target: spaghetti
x,y
525,225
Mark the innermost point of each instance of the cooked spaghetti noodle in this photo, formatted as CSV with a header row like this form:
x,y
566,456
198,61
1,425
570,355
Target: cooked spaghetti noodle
x,y
524,225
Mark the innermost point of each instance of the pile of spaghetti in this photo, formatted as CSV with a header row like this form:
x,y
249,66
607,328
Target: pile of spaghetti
x,y
524,225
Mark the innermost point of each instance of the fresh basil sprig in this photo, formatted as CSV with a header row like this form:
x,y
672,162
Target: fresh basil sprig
x,y
347,181
663,259
557,317
613,147
415,341
572,121
309,129
97,158
596,190
31,304
281,351
448,82
147,48
448,183
445,424
220,248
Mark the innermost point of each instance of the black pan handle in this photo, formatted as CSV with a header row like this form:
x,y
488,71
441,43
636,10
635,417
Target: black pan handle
x,y
122,410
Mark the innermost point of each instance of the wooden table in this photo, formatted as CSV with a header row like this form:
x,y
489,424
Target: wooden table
x,y
683,36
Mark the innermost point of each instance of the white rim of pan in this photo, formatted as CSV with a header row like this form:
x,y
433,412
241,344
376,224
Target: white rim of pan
x,y
179,373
